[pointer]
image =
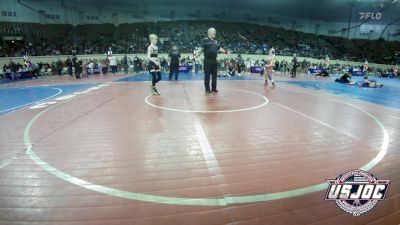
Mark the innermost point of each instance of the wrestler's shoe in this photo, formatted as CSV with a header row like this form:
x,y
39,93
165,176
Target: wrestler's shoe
x,y
154,91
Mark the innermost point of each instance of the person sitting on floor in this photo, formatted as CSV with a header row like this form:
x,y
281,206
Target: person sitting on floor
x,y
369,83
345,79
323,73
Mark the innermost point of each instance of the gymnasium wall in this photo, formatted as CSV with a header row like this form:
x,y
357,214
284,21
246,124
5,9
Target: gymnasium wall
x,y
76,12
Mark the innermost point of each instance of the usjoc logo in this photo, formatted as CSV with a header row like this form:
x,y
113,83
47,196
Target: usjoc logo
x,y
356,191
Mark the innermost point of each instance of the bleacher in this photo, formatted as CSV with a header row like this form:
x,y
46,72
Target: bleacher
x,y
11,29
95,31
49,31
237,36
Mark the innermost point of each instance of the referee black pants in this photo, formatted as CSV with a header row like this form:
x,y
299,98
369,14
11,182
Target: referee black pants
x,y
210,70
294,71
173,69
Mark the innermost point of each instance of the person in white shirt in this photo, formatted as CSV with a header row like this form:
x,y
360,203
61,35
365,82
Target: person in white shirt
x,y
154,63
91,67
113,63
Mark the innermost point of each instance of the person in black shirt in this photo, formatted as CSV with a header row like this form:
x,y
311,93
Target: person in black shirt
x,y
69,65
137,64
174,63
13,68
345,78
59,66
77,66
211,48
295,64
125,63
323,73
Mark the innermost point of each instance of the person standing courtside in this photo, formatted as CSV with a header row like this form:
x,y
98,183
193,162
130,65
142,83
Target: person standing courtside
x,y
69,65
77,67
211,48
295,64
175,57
125,64
113,63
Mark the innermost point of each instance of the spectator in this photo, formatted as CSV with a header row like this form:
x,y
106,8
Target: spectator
x,y
113,63
125,63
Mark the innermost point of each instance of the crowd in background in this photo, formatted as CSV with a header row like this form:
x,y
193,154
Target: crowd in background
x,y
238,37
128,65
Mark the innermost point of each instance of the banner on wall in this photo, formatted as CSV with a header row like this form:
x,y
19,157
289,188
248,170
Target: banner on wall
x,y
185,68
312,70
256,69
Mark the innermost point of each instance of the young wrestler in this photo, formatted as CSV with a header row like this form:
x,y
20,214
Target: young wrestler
x,y
269,67
154,63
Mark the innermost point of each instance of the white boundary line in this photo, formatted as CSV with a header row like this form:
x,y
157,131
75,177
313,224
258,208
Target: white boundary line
x,y
315,120
146,100
396,117
208,154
